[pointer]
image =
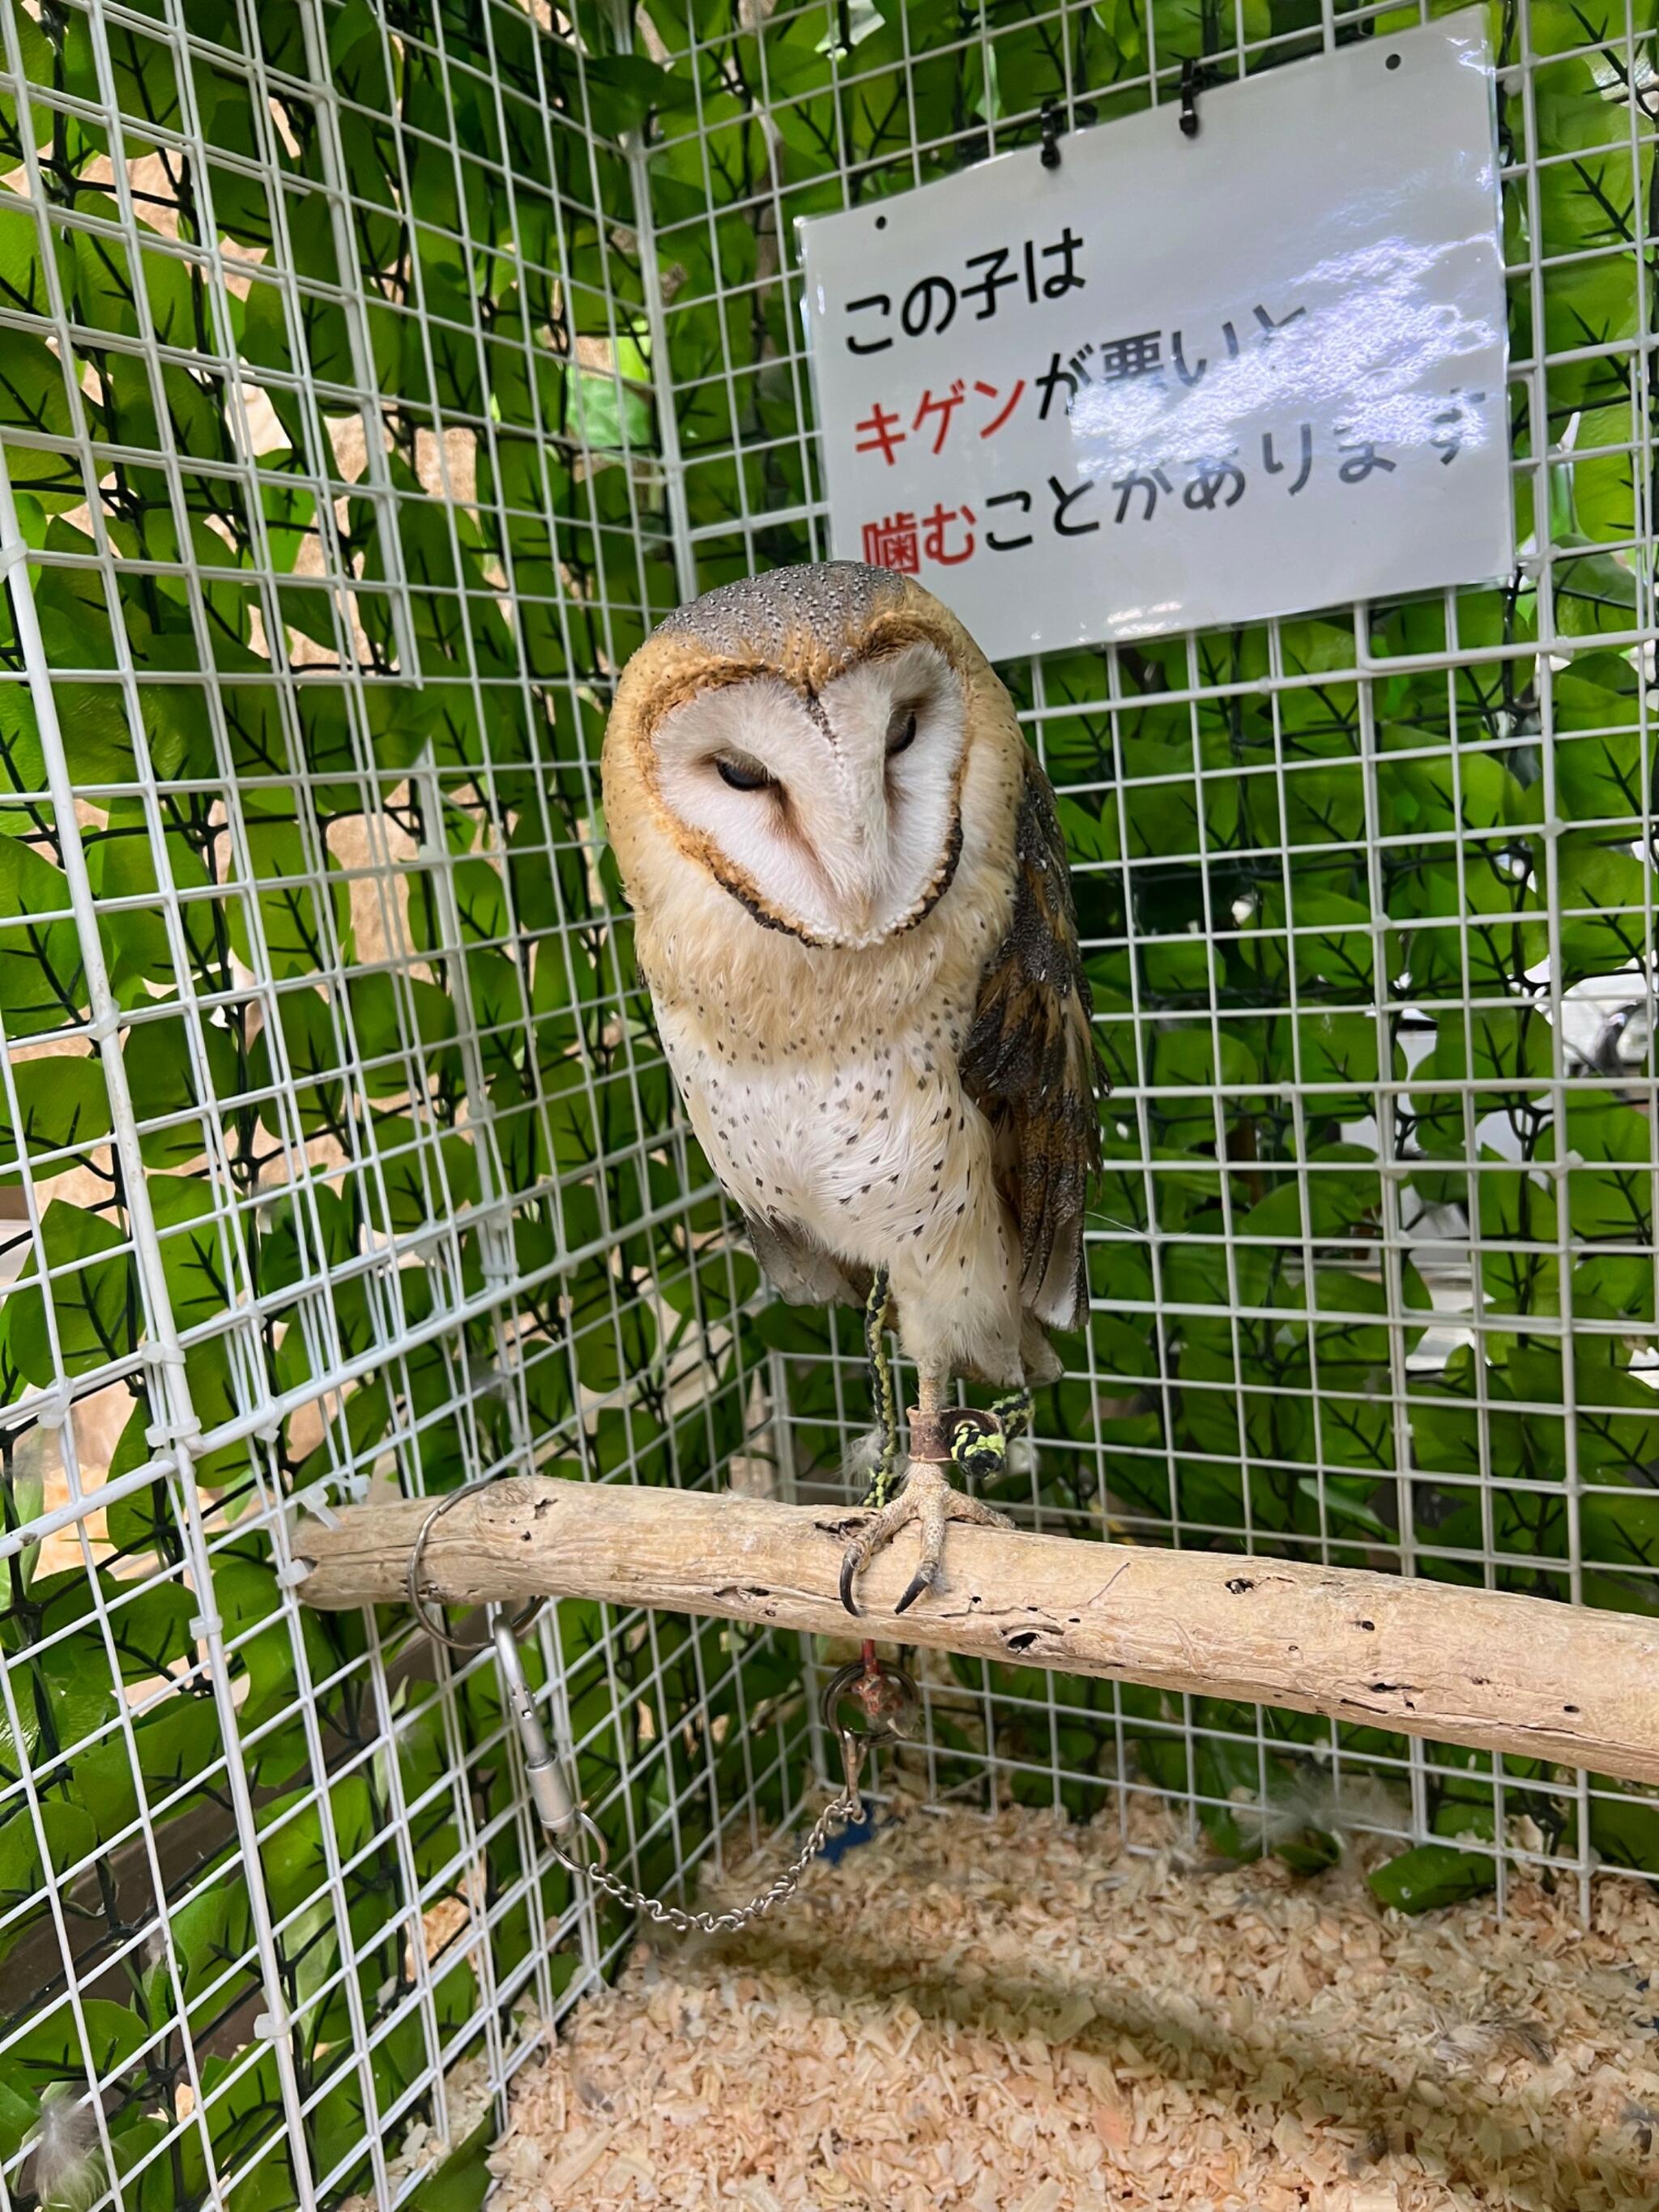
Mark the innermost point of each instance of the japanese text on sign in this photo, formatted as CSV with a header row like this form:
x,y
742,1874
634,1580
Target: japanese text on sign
x,y
1182,382
931,302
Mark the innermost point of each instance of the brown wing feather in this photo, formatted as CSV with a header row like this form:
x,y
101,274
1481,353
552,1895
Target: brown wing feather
x,y
1031,1067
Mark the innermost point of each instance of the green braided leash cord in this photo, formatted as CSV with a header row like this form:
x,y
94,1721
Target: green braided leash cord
x,y
1014,1412
982,1452
883,1393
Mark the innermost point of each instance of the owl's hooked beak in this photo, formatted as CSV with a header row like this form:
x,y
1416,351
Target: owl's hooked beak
x,y
859,860
866,897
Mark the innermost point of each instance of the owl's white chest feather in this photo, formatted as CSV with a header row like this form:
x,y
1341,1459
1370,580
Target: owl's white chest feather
x,y
874,1150
865,1149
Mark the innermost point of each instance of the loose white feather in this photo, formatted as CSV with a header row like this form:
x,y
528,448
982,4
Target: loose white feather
x,y
68,2162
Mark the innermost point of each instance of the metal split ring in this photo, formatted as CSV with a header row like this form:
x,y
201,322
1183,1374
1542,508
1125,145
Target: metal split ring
x,y
884,1694
584,1820
527,1613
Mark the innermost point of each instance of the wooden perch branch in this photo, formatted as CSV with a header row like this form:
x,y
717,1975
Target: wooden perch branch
x,y
1517,1675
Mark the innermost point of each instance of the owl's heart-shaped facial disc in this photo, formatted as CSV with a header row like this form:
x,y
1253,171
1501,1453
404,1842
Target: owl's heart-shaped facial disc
x,y
833,813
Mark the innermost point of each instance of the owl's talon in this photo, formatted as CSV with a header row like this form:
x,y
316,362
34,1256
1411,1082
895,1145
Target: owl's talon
x,y
878,1528
923,1579
928,1499
849,1567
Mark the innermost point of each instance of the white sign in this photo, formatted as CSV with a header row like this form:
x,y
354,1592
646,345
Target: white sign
x,y
1181,381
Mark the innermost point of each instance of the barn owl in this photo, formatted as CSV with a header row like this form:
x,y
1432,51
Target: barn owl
x,y
854,914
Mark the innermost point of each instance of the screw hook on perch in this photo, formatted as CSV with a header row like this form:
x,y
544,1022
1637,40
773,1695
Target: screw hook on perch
x,y
417,1605
884,1695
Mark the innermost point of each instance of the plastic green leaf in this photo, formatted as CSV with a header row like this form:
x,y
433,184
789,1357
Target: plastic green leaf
x,y
462,2182
426,1174
300,926
1600,894
402,1027
33,396
315,1056
51,2049
93,1299
71,1838
201,1248
62,1104
1432,1875
159,1058
41,983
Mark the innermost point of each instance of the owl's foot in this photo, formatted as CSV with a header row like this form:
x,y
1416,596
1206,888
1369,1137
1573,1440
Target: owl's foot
x,y
928,1499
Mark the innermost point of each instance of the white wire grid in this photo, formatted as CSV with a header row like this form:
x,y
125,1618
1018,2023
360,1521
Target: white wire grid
x,y
332,1129
1368,922
386,357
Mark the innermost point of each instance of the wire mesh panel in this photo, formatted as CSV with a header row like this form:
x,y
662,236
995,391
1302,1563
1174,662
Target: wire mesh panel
x,y
1367,902
371,376
337,1156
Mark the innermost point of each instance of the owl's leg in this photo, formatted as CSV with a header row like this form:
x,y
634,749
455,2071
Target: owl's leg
x,y
927,1498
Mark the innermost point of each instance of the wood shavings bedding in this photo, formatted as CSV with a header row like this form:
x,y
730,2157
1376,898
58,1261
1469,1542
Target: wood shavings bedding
x,y
1015,2015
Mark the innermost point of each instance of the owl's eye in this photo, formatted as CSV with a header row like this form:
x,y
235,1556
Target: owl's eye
x,y
900,731
742,772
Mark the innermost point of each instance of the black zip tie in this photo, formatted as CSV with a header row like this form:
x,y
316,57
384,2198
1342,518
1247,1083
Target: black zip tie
x,y
1052,128
1190,86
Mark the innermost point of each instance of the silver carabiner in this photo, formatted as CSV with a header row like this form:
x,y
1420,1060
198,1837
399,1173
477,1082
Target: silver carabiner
x,y
556,1809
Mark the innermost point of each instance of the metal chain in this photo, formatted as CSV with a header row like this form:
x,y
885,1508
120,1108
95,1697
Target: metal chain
x,y
848,1810
883,1694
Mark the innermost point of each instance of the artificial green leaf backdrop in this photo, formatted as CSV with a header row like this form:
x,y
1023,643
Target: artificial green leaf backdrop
x,y
347,349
